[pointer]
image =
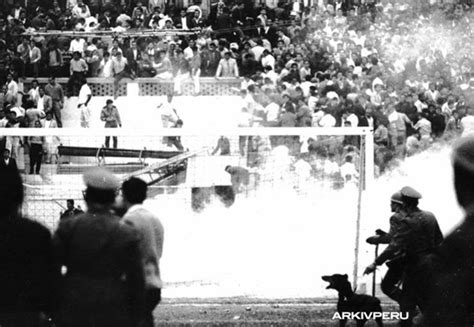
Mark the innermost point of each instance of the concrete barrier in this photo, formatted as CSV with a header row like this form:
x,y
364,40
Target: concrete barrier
x,y
150,86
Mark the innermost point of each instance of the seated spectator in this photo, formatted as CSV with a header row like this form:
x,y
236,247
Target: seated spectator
x,y
120,70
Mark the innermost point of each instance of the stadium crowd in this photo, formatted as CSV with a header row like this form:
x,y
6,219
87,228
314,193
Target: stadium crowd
x,y
400,67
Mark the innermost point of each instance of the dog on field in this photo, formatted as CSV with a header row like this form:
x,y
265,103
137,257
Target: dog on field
x,y
350,302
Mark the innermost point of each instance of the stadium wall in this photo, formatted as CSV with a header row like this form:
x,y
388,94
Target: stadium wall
x,y
151,86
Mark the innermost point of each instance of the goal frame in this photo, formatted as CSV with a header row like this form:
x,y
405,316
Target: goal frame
x,y
366,151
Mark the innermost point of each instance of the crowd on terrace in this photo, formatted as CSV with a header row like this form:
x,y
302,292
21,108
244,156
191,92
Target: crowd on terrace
x,y
401,67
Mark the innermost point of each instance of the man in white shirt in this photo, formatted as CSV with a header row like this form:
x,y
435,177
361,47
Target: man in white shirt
x,y
351,118
85,96
12,89
269,72
182,22
227,67
327,120
78,44
44,102
272,111
81,10
105,68
419,104
423,126
258,50
188,51
268,59
348,170
169,116
120,70
33,115
151,232
449,106
33,92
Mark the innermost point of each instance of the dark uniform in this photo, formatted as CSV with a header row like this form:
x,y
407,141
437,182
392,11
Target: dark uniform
x,y
392,256
417,235
391,282
452,285
451,296
104,283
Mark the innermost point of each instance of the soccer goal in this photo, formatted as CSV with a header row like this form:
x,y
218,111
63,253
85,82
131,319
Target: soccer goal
x,y
256,211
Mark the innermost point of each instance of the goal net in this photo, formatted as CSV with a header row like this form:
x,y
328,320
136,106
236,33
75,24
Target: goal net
x,y
259,212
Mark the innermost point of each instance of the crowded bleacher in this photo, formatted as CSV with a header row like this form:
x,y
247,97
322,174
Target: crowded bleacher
x,y
401,67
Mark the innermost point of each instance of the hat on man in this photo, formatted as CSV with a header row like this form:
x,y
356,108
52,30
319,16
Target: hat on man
x,y
410,192
397,198
100,178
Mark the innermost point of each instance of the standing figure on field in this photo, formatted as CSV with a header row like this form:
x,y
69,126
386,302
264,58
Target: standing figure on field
x,y
169,116
103,284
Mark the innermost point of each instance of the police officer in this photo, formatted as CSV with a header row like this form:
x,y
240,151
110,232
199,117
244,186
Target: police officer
x,y
417,237
452,287
104,281
394,274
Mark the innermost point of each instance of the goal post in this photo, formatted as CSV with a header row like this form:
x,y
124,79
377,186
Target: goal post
x,y
295,195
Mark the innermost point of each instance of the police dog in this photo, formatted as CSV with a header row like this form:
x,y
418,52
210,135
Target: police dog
x,y
358,306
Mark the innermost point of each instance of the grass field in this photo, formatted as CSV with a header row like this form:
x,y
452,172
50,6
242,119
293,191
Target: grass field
x,y
244,312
